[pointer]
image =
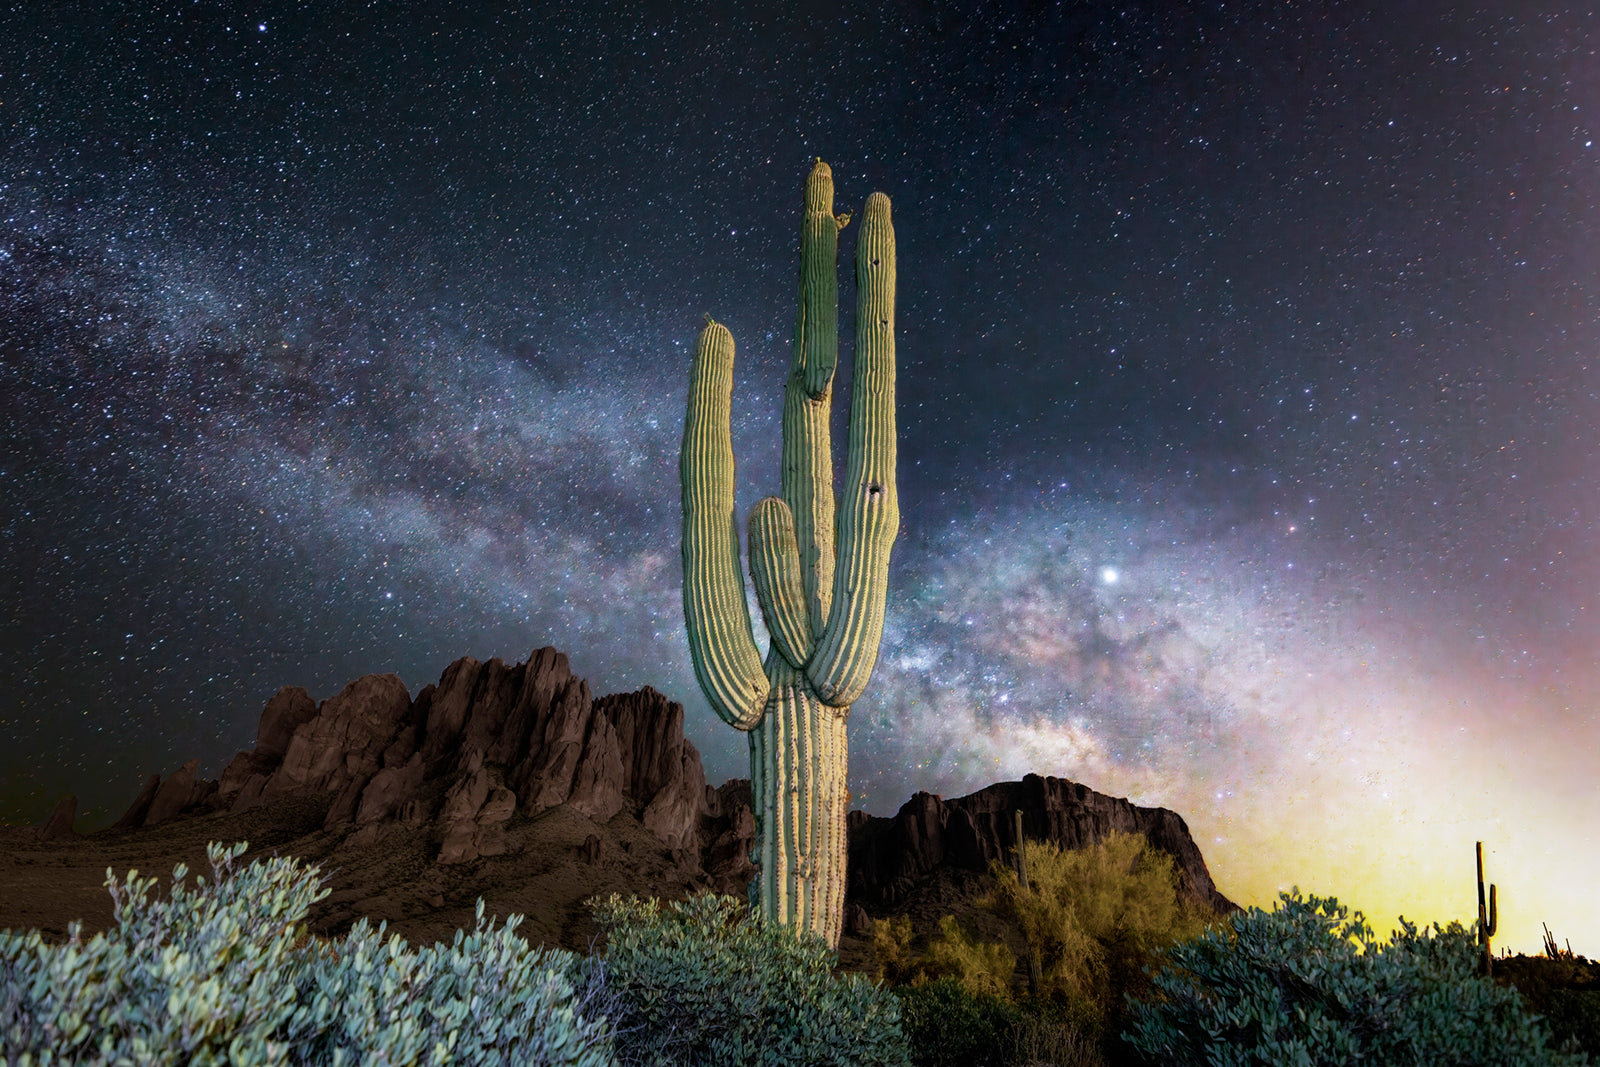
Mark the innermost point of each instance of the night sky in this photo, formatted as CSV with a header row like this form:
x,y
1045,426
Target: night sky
x,y
1249,461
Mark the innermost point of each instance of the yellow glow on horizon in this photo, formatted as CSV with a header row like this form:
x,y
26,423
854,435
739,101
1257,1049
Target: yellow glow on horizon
x,y
1375,796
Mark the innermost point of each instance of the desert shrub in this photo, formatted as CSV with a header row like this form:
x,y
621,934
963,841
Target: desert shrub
x,y
1290,987
704,984
1574,1017
947,1025
894,960
1042,1041
487,997
194,975
1095,916
1091,918
218,974
984,969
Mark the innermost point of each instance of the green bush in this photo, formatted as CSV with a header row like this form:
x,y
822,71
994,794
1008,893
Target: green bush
x,y
947,1025
1093,915
702,984
1574,1015
197,975
1289,987
485,998
216,974
1091,918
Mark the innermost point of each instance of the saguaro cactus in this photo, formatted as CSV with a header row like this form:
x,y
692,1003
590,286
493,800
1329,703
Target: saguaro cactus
x,y
825,620
1488,922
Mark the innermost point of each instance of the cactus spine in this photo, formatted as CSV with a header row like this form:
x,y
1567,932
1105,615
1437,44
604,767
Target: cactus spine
x,y
823,603
1488,921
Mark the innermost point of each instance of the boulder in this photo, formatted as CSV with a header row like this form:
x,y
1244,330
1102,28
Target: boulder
x,y
388,790
589,851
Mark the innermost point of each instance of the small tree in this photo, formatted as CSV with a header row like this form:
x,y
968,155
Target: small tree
x,y
1095,916
1091,917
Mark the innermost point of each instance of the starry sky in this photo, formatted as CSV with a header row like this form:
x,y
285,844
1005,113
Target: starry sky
x,y
1249,461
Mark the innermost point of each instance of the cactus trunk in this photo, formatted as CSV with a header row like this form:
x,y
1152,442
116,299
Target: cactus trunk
x,y
820,569
798,771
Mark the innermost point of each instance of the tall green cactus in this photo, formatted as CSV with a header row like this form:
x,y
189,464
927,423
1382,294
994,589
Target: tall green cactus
x,y
825,620
1488,922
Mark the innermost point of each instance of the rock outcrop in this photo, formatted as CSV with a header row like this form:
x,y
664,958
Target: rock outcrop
x,y
728,837
485,743
889,857
490,742
59,825
133,818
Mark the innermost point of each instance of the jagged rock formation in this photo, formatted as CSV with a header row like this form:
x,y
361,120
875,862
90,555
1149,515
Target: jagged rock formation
x,y
488,741
134,817
728,837
455,765
890,857
59,824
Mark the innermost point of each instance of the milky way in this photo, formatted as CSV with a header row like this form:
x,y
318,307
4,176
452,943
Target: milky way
x,y
1247,395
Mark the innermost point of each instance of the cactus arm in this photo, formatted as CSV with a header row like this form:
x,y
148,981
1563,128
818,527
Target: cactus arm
x,y
807,472
869,516
715,612
775,569
816,334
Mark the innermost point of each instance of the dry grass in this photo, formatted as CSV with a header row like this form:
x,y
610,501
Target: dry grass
x,y
1040,1043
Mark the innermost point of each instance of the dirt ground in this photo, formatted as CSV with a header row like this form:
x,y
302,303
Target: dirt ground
x,y
543,876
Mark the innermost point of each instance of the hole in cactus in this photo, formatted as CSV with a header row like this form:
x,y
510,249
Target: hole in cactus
x,y
874,490
874,263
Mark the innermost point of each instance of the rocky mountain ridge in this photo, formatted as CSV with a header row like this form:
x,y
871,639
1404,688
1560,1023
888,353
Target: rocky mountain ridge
x,y
519,781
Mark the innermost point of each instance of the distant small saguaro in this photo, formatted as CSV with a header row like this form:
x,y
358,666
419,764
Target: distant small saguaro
x,y
1488,922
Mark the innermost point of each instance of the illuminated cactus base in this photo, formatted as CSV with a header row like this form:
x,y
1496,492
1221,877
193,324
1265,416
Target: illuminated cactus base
x,y
799,762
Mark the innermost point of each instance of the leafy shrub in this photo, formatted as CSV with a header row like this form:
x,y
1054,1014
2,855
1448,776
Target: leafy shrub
x,y
984,969
1289,987
1574,1015
891,949
703,984
1092,918
485,998
216,974
198,974
947,1025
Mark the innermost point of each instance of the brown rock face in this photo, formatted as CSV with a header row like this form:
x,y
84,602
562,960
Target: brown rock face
x,y
133,818
728,836
174,794
282,716
889,857
485,743
59,824
344,742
